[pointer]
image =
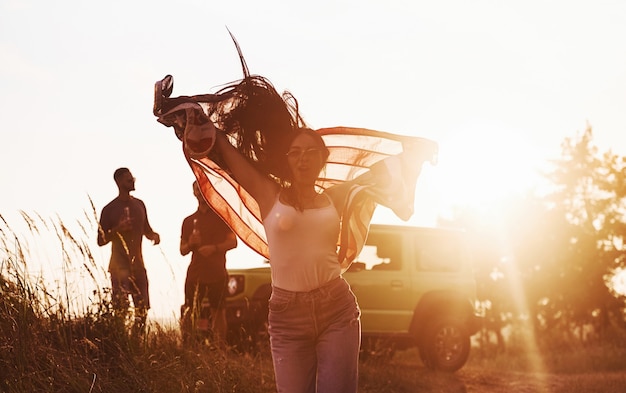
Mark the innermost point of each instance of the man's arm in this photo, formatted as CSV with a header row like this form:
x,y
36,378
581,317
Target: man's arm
x,y
148,232
185,248
186,243
105,230
228,244
104,237
155,237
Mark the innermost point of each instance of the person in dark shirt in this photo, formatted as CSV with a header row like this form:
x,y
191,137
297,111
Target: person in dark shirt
x,y
124,223
205,235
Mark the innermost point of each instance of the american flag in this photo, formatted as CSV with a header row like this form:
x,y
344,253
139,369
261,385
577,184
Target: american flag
x,y
386,164
393,162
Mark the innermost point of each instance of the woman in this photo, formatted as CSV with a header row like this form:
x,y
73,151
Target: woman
x,y
263,152
314,323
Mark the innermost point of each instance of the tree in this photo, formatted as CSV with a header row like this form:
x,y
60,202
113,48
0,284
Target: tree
x,y
548,256
588,198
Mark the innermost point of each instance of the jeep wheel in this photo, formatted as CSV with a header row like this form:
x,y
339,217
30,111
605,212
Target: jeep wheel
x,y
446,345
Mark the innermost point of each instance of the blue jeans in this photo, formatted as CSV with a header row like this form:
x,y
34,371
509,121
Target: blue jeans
x,y
315,339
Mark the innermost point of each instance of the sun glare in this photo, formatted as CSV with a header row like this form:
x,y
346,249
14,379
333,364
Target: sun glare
x,y
474,170
477,168
618,282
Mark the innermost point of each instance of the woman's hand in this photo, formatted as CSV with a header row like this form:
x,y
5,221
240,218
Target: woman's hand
x,y
199,135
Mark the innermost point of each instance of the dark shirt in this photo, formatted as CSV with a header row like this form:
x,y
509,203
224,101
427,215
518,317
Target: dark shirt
x,y
125,246
213,230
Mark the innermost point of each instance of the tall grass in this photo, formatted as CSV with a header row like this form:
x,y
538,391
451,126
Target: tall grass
x,y
60,333
56,338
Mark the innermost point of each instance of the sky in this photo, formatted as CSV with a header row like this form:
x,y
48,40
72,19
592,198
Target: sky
x,y
498,84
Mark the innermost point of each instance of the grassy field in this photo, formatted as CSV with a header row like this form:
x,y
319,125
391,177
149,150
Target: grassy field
x,y
43,352
51,343
46,361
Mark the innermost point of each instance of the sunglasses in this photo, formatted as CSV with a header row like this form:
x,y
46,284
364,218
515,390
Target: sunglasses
x,y
309,154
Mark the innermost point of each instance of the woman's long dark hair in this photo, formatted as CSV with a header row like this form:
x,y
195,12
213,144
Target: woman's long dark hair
x,y
261,122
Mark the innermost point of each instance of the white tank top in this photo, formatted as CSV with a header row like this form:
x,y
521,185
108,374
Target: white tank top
x,y
303,246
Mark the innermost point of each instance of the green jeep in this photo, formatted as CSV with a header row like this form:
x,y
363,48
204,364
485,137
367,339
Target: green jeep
x,y
415,287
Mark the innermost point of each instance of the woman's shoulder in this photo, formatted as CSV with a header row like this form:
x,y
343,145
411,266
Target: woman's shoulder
x,y
338,193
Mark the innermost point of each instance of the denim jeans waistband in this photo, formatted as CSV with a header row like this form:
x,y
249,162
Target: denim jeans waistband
x,y
324,290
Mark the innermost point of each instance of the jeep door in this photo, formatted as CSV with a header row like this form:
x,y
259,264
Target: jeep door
x,y
382,284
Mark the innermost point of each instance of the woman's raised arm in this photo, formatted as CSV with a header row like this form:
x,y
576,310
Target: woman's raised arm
x,y
262,189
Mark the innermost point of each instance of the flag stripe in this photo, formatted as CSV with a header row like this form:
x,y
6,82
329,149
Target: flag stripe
x,y
232,202
353,152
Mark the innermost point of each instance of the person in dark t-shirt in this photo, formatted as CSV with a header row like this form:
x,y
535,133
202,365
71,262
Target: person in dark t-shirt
x,y
124,223
205,235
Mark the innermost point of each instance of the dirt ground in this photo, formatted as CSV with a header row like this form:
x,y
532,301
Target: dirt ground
x,y
476,380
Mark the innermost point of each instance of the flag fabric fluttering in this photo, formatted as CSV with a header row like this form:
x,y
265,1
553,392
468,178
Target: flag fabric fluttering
x,y
388,164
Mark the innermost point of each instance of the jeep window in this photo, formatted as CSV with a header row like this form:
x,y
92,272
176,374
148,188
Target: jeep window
x,y
381,252
439,253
